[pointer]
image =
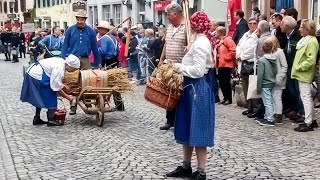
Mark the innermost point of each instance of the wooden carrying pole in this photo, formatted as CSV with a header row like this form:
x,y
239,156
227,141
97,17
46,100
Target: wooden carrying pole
x,y
119,25
128,38
185,5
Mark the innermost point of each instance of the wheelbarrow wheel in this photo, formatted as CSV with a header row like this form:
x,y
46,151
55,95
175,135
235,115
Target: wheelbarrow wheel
x,y
100,113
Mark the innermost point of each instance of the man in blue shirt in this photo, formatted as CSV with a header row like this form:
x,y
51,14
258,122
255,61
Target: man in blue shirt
x,y
107,45
80,40
53,43
109,51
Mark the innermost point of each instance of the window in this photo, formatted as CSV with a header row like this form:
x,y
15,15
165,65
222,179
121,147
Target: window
x,y
1,8
117,14
53,2
23,5
15,6
48,3
11,7
58,2
5,7
142,7
39,4
44,3
106,14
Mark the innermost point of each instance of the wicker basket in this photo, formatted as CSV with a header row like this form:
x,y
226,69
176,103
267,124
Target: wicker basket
x,y
157,93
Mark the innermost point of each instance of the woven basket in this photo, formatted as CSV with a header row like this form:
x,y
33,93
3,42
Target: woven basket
x,y
157,93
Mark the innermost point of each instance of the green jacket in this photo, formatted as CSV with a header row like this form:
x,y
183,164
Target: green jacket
x,y
267,71
305,59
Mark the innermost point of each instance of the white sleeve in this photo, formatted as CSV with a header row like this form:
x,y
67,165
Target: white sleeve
x,y
198,67
56,79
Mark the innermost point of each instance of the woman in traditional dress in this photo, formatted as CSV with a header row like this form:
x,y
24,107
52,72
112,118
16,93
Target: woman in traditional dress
x,y
43,83
195,121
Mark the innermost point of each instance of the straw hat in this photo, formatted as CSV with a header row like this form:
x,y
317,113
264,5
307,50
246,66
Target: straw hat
x,y
81,13
105,25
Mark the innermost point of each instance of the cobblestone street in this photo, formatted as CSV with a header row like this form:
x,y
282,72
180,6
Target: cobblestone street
x,y
131,146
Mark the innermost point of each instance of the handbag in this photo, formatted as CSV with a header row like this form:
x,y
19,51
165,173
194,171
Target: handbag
x,y
252,88
247,68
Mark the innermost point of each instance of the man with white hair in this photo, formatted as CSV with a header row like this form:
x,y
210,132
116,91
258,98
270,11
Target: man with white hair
x,y
291,100
174,48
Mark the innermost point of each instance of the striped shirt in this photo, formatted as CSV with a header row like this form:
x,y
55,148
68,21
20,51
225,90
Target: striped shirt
x,y
176,42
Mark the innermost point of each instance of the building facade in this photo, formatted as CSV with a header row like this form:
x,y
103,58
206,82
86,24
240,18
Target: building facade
x,y
11,12
147,12
51,13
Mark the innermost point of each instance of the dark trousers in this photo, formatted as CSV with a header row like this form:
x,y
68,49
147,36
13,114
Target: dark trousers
x,y
253,105
215,83
292,98
113,63
171,116
224,75
109,63
50,114
7,52
22,50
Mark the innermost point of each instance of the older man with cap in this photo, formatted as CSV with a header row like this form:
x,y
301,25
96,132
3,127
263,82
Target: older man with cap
x,y
174,48
43,83
109,50
80,40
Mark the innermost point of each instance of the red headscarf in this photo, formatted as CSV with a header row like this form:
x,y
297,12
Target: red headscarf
x,y
200,23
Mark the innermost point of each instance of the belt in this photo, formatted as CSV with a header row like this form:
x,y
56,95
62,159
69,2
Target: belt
x,y
83,57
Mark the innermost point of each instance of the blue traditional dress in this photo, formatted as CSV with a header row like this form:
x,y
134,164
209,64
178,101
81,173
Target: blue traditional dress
x,y
39,93
195,116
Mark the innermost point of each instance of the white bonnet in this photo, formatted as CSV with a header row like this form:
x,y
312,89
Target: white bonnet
x,y
73,61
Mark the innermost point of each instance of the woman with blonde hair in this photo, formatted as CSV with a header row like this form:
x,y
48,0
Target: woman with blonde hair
x,y
281,79
303,70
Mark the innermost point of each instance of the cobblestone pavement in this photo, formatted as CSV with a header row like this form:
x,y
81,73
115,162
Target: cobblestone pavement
x,y
130,145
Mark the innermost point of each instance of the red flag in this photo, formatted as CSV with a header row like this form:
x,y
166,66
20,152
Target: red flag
x,y
233,5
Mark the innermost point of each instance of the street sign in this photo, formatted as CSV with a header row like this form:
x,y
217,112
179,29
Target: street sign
x,y
76,6
28,27
11,16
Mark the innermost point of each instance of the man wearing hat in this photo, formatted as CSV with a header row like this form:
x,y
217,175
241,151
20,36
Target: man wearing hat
x,y
109,50
80,40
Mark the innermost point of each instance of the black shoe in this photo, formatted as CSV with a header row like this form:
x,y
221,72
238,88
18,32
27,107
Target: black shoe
x,y
259,120
246,112
53,123
304,128
14,61
278,119
198,176
266,123
166,127
180,172
222,102
314,124
38,121
227,102
7,60
298,120
252,115
19,57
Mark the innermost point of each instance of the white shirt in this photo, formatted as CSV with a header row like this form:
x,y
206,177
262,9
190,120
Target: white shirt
x,y
198,60
53,67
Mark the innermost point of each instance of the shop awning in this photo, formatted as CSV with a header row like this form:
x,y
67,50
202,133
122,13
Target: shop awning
x,y
161,5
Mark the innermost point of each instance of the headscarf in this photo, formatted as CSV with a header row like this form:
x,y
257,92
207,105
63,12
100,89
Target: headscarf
x,y
200,22
73,61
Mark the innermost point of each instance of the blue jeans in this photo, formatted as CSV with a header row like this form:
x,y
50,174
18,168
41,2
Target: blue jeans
x,y
268,104
134,67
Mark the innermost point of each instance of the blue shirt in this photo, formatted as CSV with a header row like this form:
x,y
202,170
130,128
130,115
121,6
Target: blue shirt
x,y
80,42
52,42
108,47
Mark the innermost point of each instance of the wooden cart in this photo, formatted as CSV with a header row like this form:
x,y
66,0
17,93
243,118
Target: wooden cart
x,y
95,101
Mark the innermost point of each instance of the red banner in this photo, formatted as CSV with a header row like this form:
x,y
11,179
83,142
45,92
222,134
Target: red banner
x,y
233,5
161,5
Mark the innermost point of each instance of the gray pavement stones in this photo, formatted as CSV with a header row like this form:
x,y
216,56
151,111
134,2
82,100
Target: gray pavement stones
x,y
130,145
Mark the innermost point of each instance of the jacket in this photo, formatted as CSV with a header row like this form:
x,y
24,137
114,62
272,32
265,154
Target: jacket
x,y
241,28
282,38
305,59
261,40
291,51
267,71
282,69
227,53
15,40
